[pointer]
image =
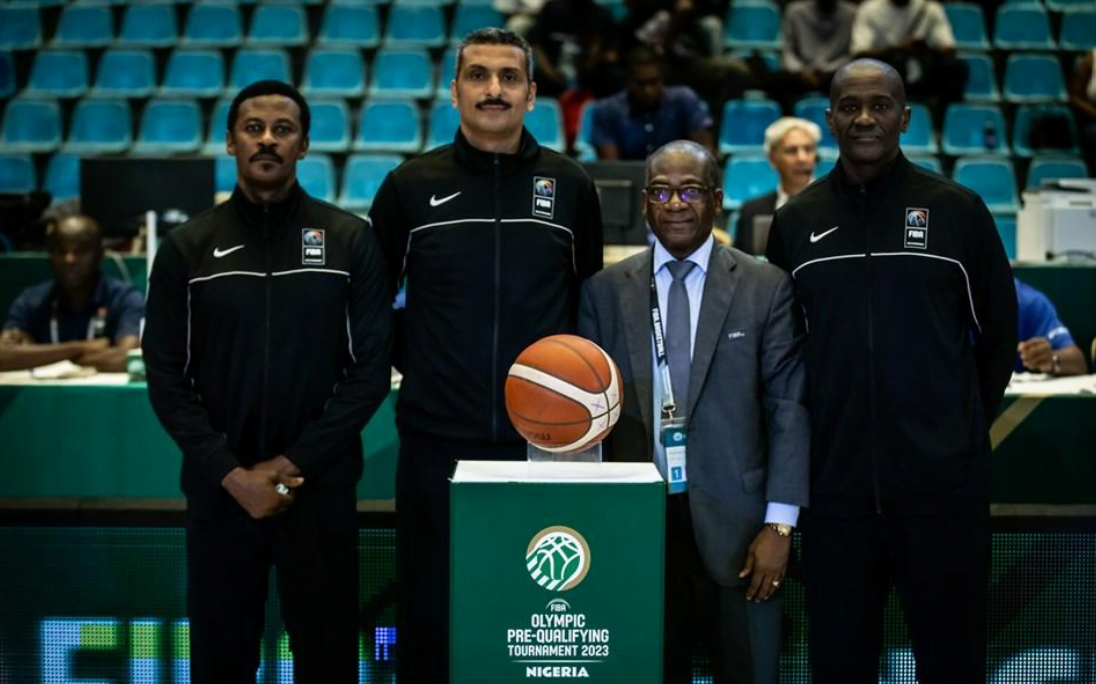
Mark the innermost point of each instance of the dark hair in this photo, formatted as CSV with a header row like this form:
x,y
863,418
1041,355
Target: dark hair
x,y
496,36
643,55
261,88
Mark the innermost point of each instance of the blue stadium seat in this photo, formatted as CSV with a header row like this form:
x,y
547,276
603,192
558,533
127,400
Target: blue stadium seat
x,y
85,25
747,176
389,126
1006,230
444,122
62,177
20,28
744,124
334,72
17,174
415,26
224,173
993,179
169,126
7,74
919,138
966,127
362,177
355,26
37,3
149,25
218,126
1063,127
1022,27
981,78
316,174
1044,168
402,73
752,23
447,69
930,163
545,123
31,126
125,73
258,65
584,149
100,127
813,108
1034,78
194,73
277,26
1078,29
1067,5
330,131
58,73
968,24
468,18
213,25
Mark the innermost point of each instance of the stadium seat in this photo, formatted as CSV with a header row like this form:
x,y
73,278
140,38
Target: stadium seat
x,y
981,78
584,149
1022,27
468,18
993,179
825,165
1006,230
258,65
58,73
967,127
968,23
752,23
362,177
169,126
7,74
20,28
353,26
1078,29
545,123
85,26
194,73
1034,78
444,121
224,173
213,25
415,26
402,73
919,138
1067,5
1044,168
31,126
149,25
17,173
930,163
62,177
278,26
316,174
1062,130
125,73
334,72
744,124
100,127
747,176
389,126
447,69
218,127
37,3
813,108
330,131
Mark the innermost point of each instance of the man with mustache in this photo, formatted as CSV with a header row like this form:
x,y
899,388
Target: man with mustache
x,y
490,237
267,350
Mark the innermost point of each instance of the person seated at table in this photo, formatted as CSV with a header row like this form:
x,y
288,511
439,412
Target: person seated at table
x,y
81,315
1046,345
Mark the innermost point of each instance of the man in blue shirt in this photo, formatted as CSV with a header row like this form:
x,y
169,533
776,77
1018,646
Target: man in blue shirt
x,y
635,122
81,315
1045,343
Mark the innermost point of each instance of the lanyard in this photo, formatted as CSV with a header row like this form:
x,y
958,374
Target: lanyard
x,y
668,405
96,326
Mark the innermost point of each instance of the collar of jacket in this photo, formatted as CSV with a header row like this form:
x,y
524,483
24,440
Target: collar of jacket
x,y
876,189
252,214
479,161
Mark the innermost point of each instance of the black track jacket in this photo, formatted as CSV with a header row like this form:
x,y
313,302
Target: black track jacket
x,y
493,248
911,315
267,333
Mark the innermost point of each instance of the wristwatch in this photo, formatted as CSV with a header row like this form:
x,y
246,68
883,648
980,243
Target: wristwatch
x,y
780,529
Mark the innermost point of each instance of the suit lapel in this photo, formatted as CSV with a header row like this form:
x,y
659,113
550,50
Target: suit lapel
x,y
634,305
719,289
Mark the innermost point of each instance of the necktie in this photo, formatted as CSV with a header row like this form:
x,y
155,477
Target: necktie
x,y
678,347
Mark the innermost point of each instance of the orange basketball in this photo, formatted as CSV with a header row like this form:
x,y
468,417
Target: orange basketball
x,y
563,394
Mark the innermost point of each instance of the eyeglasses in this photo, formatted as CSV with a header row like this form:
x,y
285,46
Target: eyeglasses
x,y
690,194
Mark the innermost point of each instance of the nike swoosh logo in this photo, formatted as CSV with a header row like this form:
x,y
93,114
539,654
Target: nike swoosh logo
x,y
435,202
218,253
816,238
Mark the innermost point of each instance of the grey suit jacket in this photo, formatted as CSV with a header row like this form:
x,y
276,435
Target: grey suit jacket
x,y
749,432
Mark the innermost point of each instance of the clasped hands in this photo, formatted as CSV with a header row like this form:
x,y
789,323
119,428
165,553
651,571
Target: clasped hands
x,y
256,488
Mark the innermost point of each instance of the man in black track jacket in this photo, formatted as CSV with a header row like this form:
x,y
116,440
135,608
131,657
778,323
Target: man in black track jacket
x,y
911,314
267,350
491,236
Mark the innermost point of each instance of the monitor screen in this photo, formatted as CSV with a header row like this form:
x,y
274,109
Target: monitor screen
x,y
619,185
117,192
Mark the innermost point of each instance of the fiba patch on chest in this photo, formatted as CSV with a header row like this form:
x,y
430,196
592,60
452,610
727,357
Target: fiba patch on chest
x,y
312,246
917,228
544,197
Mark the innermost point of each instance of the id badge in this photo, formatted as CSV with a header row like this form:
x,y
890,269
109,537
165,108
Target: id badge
x,y
674,440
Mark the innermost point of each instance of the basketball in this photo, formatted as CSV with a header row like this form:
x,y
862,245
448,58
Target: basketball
x,y
563,394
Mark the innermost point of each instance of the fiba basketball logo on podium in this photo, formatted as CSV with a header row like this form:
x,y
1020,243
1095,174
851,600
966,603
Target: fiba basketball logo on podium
x,y
558,558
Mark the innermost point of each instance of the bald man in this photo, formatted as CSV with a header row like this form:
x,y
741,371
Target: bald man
x,y
731,379
81,315
912,317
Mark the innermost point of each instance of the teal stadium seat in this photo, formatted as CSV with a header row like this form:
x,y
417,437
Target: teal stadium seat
x,y
218,126
744,124
169,127
981,78
7,74
968,24
17,174
194,73
278,26
212,24
362,177
58,73
62,177
1067,5
1006,230
334,72
85,26
468,18
931,163
752,24
402,73
1078,30
993,179
584,147
149,25
1047,168
330,130
1022,27
125,72
545,123
389,126
447,69
251,65
919,138
1034,78
1063,127
100,127
813,108
352,26
966,127
224,173
747,176
415,26
20,28
444,121
31,126
316,174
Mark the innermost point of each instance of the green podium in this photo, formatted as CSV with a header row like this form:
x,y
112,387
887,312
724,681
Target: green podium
x,y
557,572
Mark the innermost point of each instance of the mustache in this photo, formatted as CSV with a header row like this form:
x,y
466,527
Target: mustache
x,y
493,102
266,152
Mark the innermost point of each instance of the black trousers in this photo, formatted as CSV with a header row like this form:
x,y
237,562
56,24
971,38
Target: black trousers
x,y
743,639
422,550
939,565
315,554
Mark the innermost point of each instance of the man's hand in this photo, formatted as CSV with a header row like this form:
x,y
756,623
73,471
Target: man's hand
x,y
279,464
767,561
255,490
1037,355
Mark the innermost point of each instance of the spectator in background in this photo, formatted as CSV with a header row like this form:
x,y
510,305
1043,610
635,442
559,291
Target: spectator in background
x,y
1046,345
1082,97
574,47
817,34
81,315
792,146
637,121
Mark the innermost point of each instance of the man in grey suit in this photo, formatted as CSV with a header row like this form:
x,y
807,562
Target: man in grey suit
x,y
708,344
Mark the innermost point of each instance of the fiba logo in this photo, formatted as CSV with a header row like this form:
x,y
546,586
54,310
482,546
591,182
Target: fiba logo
x,y
558,558
545,187
917,219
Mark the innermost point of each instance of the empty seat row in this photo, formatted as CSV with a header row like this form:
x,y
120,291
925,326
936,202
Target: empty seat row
x,y
1022,26
1028,78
